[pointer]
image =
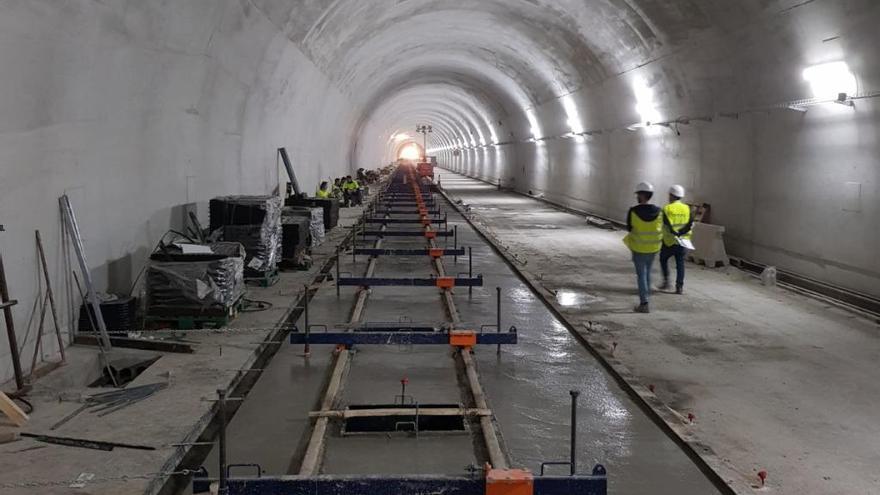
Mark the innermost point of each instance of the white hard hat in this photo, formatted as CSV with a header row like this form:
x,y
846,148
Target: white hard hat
x,y
644,187
677,191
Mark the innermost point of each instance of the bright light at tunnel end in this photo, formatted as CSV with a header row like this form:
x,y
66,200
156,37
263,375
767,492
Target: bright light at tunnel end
x,y
410,152
829,80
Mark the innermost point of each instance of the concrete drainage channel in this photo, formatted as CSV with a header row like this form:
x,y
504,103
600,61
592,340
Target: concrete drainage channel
x,y
702,455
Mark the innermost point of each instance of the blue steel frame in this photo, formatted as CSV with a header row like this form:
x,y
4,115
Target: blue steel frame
x,y
406,233
406,282
403,220
595,484
349,339
406,252
402,211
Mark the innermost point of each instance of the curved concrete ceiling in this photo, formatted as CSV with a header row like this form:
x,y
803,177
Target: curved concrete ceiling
x,y
496,59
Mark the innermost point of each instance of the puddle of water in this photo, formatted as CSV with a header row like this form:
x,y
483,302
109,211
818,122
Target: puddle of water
x,y
569,298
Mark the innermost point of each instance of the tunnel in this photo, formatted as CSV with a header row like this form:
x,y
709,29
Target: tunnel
x,y
141,111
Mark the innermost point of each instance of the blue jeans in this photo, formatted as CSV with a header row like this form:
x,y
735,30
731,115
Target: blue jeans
x,y
678,253
643,264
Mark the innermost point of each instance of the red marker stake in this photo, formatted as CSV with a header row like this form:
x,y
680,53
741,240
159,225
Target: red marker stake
x,y
763,475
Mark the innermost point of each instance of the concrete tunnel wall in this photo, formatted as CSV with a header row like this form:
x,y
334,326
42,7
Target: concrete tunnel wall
x,y
796,190
139,108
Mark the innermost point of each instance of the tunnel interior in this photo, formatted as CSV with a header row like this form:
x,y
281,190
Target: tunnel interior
x,y
764,111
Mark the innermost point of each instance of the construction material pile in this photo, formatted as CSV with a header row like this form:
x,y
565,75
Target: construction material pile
x,y
186,278
253,221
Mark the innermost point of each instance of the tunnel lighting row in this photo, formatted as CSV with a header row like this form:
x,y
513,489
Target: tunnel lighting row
x,y
831,82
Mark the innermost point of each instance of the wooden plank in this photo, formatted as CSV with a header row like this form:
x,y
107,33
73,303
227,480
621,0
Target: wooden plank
x,y
315,449
493,446
8,435
12,411
144,344
409,411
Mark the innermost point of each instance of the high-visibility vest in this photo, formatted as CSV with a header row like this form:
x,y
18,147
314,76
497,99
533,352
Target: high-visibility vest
x,y
678,214
645,237
323,193
351,186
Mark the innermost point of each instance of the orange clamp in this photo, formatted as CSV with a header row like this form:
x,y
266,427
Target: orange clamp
x,y
445,282
436,253
509,482
462,338
430,234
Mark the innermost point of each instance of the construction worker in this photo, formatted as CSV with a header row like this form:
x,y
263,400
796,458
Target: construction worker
x,y
351,189
337,189
677,225
645,225
324,191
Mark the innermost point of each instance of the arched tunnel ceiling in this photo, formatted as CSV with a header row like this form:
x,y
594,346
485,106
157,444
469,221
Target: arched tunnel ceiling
x,y
505,56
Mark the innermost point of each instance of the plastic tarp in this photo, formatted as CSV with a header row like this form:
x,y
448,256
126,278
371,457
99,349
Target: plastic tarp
x,y
175,279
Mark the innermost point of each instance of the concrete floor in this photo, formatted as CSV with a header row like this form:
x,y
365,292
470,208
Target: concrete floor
x,y
776,381
176,414
527,388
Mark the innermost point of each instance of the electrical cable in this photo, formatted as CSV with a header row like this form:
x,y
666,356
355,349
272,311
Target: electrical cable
x,y
158,245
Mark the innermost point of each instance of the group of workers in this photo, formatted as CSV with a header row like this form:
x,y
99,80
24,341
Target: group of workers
x,y
347,190
655,230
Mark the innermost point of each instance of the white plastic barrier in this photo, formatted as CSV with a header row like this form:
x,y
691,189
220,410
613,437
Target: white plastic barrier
x,y
708,242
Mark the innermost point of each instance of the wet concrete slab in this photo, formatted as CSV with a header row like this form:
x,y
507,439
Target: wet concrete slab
x,y
776,381
527,386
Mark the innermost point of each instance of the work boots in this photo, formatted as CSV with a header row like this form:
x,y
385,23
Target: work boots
x,y
642,308
664,285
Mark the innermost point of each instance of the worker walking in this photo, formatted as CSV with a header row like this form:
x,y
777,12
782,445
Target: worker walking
x,y
677,225
645,225
324,191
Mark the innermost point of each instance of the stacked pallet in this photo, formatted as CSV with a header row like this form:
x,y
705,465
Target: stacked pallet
x,y
295,239
329,206
255,222
190,290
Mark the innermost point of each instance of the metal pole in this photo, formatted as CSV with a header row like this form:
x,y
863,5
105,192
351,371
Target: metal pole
x,y
221,417
574,411
10,328
470,270
306,349
498,314
51,295
455,241
354,237
76,238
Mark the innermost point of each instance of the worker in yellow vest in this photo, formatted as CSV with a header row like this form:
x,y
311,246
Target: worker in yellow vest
x,y
324,191
677,225
645,225
352,191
